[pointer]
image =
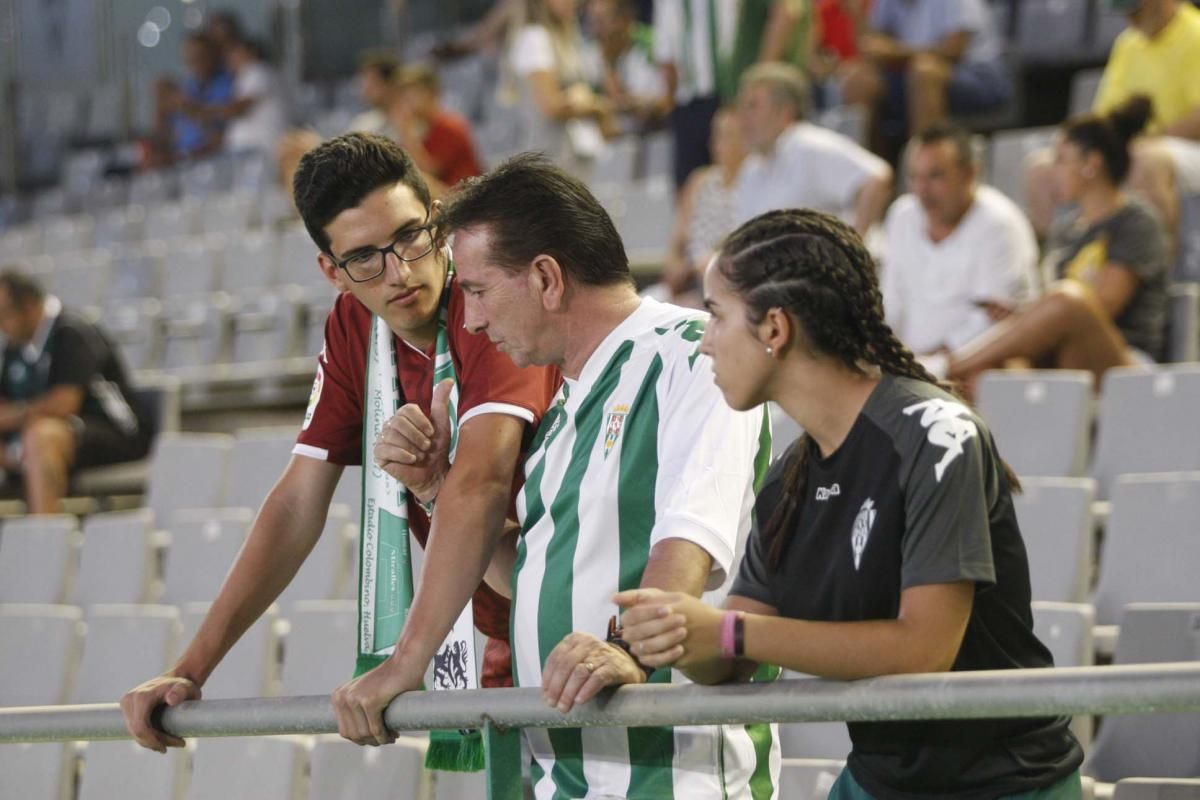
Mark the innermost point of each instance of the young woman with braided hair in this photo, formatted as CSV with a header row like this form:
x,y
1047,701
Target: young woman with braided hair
x,y
887,541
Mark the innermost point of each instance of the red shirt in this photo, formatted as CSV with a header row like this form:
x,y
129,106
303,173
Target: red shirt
x,y
488,382
448,142
838,32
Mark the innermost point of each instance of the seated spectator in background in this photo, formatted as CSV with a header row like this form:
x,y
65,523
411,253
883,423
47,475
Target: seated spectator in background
x,y
1110,307
182,128
561,115
795,164
377,89
957,254
836,28
923,59
703,217
438,140
1158,55
257,118
65,401
624,50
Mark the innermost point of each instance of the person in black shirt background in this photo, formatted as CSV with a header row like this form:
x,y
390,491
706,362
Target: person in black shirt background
x,y
886,539
65,400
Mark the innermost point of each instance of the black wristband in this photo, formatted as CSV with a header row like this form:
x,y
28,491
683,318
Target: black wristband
x,y
614,638
739,635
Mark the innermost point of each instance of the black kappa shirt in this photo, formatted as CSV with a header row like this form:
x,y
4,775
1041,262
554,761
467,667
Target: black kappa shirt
x,y
917,495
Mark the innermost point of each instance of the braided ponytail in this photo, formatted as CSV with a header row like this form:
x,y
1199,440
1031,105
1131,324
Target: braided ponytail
x,y
816,268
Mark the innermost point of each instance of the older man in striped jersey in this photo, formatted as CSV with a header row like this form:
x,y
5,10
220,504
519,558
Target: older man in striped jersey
x,y
639,475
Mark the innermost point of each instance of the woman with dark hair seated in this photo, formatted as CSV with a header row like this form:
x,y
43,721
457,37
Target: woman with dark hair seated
x,y
1109,306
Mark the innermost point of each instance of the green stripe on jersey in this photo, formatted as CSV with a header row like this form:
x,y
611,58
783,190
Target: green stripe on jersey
x,y
761,785
651,749
555,607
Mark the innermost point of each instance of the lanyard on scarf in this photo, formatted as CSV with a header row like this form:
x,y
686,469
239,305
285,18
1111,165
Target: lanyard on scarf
x,y
385,558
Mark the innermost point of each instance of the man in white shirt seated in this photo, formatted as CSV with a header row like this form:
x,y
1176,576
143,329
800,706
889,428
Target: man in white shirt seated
x,y
795,164
958,256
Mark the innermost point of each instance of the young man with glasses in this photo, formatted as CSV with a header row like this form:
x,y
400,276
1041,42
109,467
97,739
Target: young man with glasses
x,y
369,211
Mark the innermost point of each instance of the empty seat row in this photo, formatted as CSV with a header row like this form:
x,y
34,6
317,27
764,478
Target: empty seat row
x,y
1146,421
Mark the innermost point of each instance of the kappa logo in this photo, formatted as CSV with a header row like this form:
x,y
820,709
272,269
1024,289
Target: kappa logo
x,y
826,492
612,428
948,426
862,530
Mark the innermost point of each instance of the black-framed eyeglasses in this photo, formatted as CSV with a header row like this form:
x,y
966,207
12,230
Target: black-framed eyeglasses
x,y
369,263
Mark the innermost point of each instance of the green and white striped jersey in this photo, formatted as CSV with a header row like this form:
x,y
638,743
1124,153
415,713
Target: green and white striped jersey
x,y
641,448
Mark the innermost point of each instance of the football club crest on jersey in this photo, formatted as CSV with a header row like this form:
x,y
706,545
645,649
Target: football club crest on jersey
x,y
314,397
612,428
862,530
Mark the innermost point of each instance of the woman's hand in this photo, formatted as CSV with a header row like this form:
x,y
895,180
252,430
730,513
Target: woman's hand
x,y
669,628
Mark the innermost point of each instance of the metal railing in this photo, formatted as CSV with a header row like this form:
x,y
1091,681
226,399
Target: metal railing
x,y
1143,688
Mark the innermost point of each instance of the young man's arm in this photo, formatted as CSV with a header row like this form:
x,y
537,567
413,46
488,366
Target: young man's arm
x,y
468,520
287,526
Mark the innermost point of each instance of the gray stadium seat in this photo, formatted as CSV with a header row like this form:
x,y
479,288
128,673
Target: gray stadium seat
x,y
459,785
194,267
1041,419
195,334
203,546
1051,30
316,305
1157,789
258,458
136,328
126,769
137,271
251,668
1006,159
266,324
119,226
1187,268
187,470
1057,525
1066,629
81,279
1162,745
204,179
118,559
342,770
828,740
68,233
230,214
246,769
1147,422
251,261
349,492
318,653
1083,90
153,189
125,645
55,634
171,220
298,259
36,771
1151,549
1184,323
38,558
808,778
327,572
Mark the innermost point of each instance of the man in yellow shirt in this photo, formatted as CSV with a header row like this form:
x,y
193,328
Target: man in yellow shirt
x,y
1159,55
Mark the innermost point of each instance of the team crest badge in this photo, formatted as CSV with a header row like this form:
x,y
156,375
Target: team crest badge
x,y
862,530
612,430
314,397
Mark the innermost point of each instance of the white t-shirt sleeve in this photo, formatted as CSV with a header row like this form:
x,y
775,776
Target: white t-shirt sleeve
x,y
1005,268
840,167
707,452
252,82
532,51
890,283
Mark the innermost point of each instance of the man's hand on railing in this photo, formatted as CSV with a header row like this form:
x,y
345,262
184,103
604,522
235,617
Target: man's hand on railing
x,y
139,704
360,703
580,666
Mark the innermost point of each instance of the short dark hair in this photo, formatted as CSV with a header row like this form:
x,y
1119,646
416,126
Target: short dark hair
x,y
531,208
338,174
381,62
22,287
958,136
1110,134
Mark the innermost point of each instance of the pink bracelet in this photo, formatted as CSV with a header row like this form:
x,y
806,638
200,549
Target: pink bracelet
x,y
728,642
